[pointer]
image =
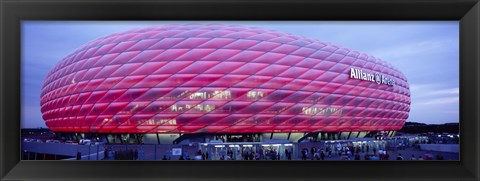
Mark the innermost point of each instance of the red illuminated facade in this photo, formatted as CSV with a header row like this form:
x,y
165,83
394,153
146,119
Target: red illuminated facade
x,y
221,79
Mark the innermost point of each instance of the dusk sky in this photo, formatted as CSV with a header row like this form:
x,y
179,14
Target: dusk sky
x,y
426,52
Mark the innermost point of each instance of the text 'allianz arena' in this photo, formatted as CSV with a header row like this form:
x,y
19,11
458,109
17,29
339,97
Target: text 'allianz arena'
x,y
221,79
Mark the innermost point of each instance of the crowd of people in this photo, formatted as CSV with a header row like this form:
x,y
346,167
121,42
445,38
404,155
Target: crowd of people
x,y
123,154
360,152
252,154
329,150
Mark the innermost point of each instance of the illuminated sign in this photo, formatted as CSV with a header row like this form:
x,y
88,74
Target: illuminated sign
x,y
176,151
372,77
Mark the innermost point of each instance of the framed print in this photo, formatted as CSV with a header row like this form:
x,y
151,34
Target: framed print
x,y
176,90
225,90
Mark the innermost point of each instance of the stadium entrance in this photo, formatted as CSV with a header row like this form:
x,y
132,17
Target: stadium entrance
x,y
280,149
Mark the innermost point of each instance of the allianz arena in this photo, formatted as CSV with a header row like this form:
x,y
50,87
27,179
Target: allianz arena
x,y
221,79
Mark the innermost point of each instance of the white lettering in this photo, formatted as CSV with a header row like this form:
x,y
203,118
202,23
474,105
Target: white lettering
x,y
372,77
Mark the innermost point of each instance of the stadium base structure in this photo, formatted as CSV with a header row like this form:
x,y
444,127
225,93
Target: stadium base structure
x,y
185,139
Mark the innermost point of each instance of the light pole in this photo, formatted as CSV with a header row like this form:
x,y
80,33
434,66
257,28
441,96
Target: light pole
x,y
89,147
97,152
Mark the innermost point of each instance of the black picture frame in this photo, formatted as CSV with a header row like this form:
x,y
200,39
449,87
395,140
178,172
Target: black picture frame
x,y
14,11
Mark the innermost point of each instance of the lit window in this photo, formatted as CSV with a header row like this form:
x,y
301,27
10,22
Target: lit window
x,y
255,94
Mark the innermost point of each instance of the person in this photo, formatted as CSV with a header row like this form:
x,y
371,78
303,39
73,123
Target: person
x,y
261,152
164,157
368,148
367,157
247,154
339,149
329,151
131,155
79,156
413,157
185,154
116,155
274,154
206,155
386,156
313,150
267,154
357,156
439,157
304,154
105,152
230,153
374,150
380,154
428,156
420,157
399,157
181,158
322,155
289,155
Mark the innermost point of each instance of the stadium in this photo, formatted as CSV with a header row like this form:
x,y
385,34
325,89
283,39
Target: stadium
x,y
198,83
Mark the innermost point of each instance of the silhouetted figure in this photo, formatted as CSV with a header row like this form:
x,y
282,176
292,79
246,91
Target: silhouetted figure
x,y
105,153
439,157
357,157
312,151
304,154
413,157
399,157
79,156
